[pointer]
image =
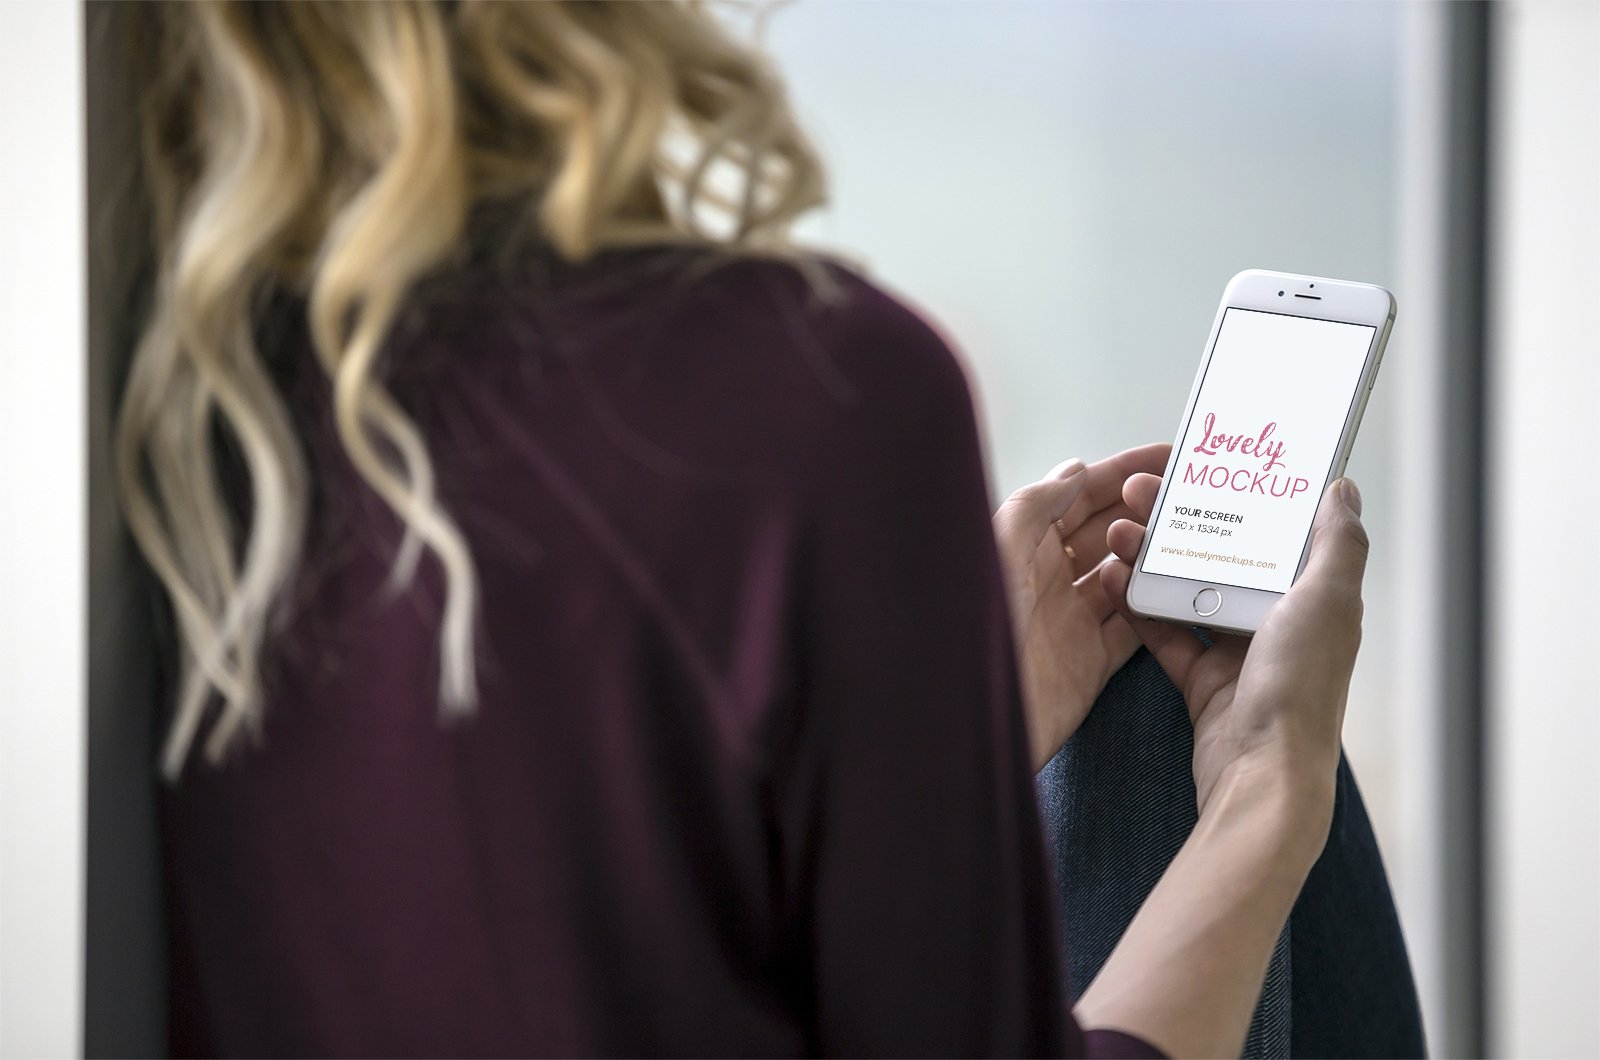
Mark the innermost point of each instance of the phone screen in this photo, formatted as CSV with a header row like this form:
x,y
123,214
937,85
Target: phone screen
x,y
1257,449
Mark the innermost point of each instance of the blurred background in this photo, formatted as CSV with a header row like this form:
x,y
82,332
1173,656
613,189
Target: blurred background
x,y
1064,189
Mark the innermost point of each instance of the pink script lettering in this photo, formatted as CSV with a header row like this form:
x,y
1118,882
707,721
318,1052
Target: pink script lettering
x,y
1213,442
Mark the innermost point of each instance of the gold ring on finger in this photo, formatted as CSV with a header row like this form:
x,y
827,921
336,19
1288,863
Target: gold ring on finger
x,y
1061,533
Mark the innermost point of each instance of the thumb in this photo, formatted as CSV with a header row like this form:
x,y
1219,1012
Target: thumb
x,y
1339,545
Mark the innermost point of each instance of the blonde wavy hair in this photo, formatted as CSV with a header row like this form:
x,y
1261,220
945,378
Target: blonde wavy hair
x,y
336,150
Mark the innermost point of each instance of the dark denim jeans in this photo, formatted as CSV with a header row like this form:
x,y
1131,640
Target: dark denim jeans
x,y
1119,801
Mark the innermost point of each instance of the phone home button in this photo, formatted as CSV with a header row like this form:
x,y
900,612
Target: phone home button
x,y
1207,602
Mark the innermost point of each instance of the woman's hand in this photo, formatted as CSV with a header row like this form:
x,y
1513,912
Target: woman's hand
x,y
1274,702
1070,638
1267,713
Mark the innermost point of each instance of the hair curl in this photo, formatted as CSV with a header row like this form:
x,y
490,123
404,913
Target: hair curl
x,y
337,149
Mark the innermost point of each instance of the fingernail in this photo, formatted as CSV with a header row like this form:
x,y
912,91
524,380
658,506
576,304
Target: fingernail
x,y
1070,468
1350,495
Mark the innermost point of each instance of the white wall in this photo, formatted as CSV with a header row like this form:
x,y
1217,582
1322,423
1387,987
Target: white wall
x,y
42,526
1544,733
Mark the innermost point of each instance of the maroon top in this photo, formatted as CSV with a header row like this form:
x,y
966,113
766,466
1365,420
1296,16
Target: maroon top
x,y
749,774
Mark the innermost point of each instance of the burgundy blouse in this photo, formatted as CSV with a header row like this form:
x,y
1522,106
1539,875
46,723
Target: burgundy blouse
x,y
749,774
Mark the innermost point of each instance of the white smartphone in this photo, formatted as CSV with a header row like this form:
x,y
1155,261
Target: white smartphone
x,y
1271,419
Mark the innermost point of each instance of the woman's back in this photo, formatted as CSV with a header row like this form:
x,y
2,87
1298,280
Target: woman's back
x,y
748,773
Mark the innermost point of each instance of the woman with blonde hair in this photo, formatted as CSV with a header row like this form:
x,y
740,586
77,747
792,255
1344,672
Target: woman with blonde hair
x,y
589,636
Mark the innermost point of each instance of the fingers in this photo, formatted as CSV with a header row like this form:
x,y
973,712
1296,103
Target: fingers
x,y
1092,594
1143,459
1116,633
1139,494
1089,540
1026,517
1104,481
1051,562
1083,503
1124,537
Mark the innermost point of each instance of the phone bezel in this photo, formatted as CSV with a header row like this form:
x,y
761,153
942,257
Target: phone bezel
x,y
1169,599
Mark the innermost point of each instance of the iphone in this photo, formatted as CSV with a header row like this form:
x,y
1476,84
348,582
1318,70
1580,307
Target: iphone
x,y
1271,419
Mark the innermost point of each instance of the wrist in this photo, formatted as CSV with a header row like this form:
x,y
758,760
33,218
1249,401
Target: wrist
x,y
1274,805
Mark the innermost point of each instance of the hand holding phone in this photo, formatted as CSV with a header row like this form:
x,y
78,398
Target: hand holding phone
x,y
1282,692
1267,712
